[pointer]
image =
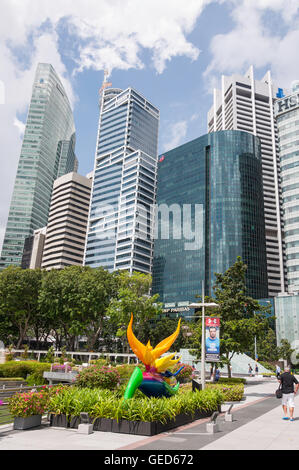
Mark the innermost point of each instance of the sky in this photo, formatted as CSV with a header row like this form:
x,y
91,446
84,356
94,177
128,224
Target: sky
x,y
173,52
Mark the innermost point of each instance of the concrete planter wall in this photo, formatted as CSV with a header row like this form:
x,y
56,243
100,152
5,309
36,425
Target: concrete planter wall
x,y
130,427
58,377
28,422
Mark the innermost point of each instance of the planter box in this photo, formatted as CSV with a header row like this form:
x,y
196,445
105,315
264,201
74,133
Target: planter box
x,y
27,423
124,426
59,421
58,377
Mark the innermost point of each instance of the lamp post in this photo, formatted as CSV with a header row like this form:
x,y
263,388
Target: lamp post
x,y
203,305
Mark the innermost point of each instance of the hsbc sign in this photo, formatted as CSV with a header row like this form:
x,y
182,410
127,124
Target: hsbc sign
x,y
286,104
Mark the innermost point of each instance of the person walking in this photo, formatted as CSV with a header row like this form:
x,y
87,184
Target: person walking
x,y
278,370
217,375
256,369
250,369
287,381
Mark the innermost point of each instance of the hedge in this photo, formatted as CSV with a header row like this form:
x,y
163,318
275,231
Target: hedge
x,y
23,368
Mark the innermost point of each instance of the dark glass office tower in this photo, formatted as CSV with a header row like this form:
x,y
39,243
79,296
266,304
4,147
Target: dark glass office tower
x,y
220,176
48,151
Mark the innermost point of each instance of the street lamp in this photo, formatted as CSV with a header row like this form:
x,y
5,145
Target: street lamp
x,y
203,305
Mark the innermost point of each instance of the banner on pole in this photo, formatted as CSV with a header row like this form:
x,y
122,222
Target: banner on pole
x,y
212,339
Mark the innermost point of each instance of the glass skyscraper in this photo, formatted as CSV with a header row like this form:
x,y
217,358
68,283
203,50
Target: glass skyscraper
x,y
246,104
48,151
124,185
220,176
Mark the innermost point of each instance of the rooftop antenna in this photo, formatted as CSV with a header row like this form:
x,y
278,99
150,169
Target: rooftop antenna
x,y
105,84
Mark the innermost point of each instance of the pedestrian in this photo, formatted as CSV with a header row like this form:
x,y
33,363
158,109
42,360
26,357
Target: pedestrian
x,y
278,370
256,369
217,375
250,369
287,381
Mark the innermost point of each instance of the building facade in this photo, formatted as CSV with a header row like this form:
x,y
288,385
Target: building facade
x,y
287,117
246,104
33,249
287,322
212,184
124,185
67,224
47,151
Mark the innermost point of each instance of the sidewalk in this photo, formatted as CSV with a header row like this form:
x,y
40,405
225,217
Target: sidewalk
x,y
257,425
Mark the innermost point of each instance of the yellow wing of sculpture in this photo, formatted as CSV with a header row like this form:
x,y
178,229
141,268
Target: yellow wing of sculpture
x,y
148,355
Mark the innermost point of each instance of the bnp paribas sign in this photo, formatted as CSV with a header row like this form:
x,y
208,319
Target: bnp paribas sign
x,y
286,104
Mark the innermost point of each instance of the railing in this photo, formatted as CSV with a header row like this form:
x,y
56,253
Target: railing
x,y
81,354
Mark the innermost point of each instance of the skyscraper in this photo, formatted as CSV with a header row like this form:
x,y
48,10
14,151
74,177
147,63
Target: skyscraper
x,y
219,175
287,117
244,103
67,225
124,185
47,151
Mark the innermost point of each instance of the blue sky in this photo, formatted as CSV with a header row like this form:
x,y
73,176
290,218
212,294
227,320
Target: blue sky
x,y
173,52
181,92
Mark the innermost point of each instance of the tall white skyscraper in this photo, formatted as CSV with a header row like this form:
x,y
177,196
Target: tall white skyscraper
x,y
287,117
124,184
247,104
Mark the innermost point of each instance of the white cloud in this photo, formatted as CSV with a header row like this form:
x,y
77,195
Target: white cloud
x,y
106,34
20,126
254,40
176,134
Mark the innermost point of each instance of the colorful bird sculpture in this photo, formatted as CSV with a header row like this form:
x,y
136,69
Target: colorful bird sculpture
x,y
155,381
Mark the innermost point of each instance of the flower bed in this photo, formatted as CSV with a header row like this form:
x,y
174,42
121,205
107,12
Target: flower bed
x,y
27,404
61,368
145,416
185,374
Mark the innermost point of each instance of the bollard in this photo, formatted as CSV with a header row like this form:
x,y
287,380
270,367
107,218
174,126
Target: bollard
x,y
212,426
228,416
85,427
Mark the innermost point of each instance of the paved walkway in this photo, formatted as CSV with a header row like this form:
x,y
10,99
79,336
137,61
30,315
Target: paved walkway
x,y
257,425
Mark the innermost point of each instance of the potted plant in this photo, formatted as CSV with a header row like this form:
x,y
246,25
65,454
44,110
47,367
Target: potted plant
x,y
28,408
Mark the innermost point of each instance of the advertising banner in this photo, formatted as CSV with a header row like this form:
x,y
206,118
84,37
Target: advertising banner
x,y
212,339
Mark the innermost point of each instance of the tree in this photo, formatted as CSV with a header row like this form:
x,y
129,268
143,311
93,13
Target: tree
x,y
242,318
75,301
133,298
266,347
285,351
19,291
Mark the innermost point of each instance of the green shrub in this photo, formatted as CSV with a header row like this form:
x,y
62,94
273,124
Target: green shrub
x,y
186,373
36,378
268,366
100,362
232,380
105,404
229,392
28,404
50,356
125,370
22,368
98,377
32,403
